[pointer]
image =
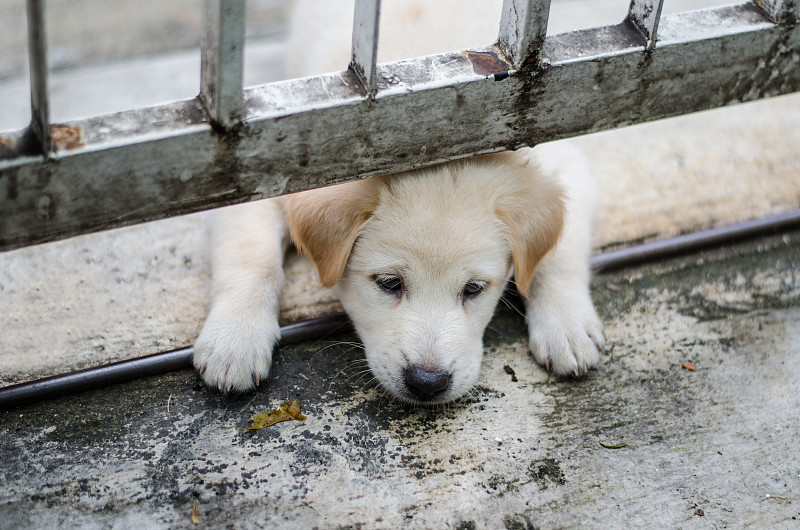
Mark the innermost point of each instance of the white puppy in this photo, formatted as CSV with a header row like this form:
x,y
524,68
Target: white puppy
x,y
419,260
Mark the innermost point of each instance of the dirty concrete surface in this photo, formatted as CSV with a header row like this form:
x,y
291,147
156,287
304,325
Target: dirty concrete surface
x,y
643,441
713,447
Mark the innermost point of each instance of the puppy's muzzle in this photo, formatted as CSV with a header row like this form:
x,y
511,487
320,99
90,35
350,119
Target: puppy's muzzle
x,y
426,385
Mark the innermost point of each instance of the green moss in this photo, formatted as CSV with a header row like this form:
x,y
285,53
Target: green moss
x,y
545,471
97,416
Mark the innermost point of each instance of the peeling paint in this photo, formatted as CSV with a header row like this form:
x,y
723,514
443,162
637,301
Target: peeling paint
x,y
66,137
486,63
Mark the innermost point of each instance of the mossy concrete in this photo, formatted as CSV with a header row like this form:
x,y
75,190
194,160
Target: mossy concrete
x,y
640,442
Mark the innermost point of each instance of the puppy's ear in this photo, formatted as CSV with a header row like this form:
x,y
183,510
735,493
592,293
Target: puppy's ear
x,y
533,215
324,223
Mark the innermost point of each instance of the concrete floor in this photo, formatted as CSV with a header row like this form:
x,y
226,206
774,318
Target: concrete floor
x,y
713,447
720,440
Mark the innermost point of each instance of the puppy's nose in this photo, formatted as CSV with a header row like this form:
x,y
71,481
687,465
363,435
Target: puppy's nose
x,y
425,384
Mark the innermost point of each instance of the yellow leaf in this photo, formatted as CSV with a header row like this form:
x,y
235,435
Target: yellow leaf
x,y
289,410
195,516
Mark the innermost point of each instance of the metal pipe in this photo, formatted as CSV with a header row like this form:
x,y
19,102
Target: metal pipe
x,y
90,378
364,60
685,244
222,61
782,12
157,363
39,130
645,15
523,28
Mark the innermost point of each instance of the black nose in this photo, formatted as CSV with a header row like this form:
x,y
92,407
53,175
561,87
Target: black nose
x,y
425,384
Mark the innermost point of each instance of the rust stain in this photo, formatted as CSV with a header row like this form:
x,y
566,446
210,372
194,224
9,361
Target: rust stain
x,y
66,137
487,63
6,144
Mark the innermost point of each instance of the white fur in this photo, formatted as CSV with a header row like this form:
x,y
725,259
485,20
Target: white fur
x,y
438,229
565,333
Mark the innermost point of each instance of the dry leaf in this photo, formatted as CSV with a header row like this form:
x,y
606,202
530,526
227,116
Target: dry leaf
x,y
614,446
510,371
289,410
195,516
688,366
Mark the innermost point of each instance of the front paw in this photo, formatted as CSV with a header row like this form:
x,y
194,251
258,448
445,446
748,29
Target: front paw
x,y
565,341
235,354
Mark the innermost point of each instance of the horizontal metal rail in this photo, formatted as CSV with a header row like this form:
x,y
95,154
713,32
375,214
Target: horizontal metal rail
x,y
91,378
147,164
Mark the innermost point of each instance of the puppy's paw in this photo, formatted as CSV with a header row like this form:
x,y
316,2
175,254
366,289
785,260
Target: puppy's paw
x,y
566,341
235,354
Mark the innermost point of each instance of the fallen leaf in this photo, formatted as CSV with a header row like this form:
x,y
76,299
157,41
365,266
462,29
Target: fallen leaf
x,y
688,366
614,446
289,410
195,516
510,371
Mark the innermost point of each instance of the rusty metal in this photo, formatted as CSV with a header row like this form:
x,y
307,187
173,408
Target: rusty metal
x,y
645,16
783,12
39,139
523,27
222,47
66,137
365,44
91,378
152,163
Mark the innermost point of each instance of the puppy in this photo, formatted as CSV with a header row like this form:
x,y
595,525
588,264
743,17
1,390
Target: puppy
x,y
419,260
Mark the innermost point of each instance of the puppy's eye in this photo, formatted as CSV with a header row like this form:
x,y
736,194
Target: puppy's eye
x,y
473,289
389,284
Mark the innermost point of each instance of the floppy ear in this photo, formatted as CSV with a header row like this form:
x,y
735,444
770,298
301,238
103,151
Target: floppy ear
x,y
324,223
533,215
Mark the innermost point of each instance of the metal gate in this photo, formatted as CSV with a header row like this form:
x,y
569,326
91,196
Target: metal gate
x,y
231,145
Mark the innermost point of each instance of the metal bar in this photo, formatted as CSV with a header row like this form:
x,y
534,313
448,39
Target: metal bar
x,y
147,164
523,28
783,12
645,15
91,378
364,59
157,363
39,138
222,49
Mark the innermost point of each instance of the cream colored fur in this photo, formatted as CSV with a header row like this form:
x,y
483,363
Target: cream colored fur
x,y
446,237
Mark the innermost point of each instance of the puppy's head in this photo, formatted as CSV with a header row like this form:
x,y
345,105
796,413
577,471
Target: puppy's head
x,y
420,260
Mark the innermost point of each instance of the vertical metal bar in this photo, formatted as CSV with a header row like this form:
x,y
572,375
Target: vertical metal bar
x,y
783,12
222,53
523,28
645,15
37,55
365,43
